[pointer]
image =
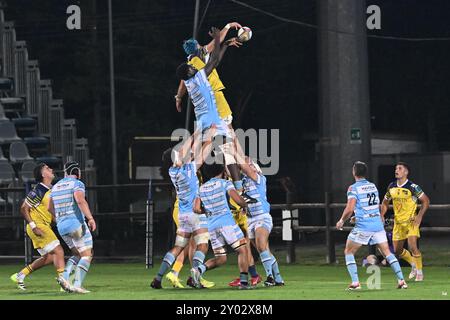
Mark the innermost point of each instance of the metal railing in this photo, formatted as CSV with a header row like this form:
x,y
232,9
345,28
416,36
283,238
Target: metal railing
x,y
330,222
289,220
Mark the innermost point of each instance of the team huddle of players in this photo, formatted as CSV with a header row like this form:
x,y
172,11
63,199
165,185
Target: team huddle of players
x,y
231,182
65,204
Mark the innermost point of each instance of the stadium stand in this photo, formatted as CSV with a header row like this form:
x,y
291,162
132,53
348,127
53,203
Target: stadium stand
x,y
18,152
32,123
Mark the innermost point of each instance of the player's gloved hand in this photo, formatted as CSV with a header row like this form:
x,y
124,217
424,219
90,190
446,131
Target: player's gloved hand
x,y
38,232
235,25
92,225
340,224
233,42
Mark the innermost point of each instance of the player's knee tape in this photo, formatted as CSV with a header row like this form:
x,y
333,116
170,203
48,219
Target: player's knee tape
x,y
201,238
228,152
220,252
236,245
181,241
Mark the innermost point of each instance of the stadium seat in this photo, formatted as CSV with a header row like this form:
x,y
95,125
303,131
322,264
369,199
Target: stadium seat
x,y
25,126
26,172
38,146
8,133
13,104
7,174
2,157
14,197
2,114
6,84
18,152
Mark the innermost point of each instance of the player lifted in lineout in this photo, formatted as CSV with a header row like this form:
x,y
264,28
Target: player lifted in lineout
x,y
68,204
39,219
205,107
363,199
198,56
404,195
183,174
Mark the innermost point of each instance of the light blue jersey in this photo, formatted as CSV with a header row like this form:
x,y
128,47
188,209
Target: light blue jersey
x,y
185,181
205,108
68,215
367,209
214,198
256,190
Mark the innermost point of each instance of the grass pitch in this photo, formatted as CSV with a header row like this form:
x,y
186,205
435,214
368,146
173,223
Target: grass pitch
x,y
131,281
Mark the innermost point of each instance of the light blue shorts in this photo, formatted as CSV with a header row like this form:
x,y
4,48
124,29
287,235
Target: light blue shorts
x,y
261,221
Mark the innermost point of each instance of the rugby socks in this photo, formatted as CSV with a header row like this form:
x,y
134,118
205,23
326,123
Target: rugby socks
x,y
60,272
266,260
167,262
352,267
418,260
252,271
202,268
276,270
198,259
71,263
177,267
395,265
24,272
244,278
406,255
81,271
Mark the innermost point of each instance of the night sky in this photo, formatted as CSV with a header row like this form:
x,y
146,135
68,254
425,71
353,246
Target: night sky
x,y
409,80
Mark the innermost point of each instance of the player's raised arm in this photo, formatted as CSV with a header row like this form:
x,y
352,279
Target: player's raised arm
x,y
237,198
189,145
84,207
218,52
348,211
223,33
180,94
206,148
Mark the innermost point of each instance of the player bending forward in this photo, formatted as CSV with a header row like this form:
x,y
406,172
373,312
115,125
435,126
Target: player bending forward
x,y
363,199
222,228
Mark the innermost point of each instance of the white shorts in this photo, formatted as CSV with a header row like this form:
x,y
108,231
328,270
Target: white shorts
x,y
81,239
190,222
261,221
367,237
48,248
224,235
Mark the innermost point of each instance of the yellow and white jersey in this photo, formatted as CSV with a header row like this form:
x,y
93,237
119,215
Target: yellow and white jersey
x,y
37,199
404,199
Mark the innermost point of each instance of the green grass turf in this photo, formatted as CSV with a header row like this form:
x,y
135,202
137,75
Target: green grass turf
x,y
131,281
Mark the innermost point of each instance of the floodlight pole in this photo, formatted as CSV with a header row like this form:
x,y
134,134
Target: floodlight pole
x,y
113,99
194,35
